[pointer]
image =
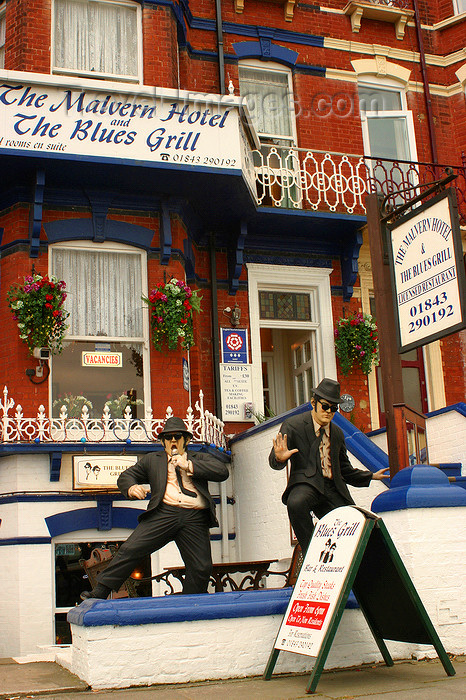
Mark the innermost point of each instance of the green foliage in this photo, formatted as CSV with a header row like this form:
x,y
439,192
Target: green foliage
x,y
74,404
171,307
356,342
37,306
117,407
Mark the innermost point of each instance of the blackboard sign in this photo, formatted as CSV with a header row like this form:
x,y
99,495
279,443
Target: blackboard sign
x,y
351,549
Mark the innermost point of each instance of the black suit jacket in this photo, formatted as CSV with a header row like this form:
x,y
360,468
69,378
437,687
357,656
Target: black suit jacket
x,y
301,434
152,469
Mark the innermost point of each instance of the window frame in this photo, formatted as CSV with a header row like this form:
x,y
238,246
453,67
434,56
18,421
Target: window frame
x,y
456,7
143,340
273,67
137,79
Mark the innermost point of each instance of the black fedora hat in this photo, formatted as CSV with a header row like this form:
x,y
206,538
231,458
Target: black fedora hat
x,y
328,389
174,425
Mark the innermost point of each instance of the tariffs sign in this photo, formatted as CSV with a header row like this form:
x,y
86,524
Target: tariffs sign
x,y
427,269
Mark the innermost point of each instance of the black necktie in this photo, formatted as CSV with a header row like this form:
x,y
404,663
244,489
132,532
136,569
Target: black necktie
x,y
183,489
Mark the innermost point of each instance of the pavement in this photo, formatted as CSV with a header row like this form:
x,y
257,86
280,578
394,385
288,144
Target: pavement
x,y
406,680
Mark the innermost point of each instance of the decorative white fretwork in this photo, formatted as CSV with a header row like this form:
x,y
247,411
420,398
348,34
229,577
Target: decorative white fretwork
x,y
204,426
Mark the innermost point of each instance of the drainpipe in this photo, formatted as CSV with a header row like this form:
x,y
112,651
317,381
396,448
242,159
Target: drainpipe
x,y
221,54
430,119
215,340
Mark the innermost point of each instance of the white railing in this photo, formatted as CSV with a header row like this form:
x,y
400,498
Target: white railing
x,y
15,428
319,180
296,178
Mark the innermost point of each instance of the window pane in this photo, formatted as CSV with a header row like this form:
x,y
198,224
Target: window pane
x,y
389,137
375,100
104,292
285,305
75,384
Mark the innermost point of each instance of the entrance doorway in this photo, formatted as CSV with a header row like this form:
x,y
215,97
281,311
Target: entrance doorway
x,y
288,368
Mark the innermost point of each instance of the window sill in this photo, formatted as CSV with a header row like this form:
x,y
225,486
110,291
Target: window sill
x,y
288,6
385,13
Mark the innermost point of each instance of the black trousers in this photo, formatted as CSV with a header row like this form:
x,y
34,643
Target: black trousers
x,y
304,499
187,527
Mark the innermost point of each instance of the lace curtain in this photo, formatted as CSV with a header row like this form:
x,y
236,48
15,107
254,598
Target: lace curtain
x,y
268,99
96,36
104,292
2,39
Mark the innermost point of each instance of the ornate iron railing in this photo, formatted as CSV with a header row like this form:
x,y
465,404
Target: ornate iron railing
x,y
15,428
338,182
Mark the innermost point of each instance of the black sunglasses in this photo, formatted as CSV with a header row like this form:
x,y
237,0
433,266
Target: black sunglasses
x,y
173,436
328,407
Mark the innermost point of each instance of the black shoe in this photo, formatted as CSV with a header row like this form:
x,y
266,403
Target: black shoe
x,y
99,591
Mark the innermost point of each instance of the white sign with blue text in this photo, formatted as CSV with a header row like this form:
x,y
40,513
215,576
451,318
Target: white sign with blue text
x,y
48,115
428,273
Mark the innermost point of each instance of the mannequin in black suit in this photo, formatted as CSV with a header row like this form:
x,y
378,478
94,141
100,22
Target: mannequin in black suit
x,y
311,486
180,509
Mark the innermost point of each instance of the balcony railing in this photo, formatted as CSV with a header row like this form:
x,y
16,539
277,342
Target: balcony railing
x,y
204,426
338,182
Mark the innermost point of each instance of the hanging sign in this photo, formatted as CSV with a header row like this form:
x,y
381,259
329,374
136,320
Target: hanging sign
x,y
236,391
235,345
102,359
427,267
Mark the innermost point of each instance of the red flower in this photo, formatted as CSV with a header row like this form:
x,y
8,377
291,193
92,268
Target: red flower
x,y
49,297
48,306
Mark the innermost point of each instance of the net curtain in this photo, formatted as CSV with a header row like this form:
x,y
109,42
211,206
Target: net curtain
x,y
96,36
104,292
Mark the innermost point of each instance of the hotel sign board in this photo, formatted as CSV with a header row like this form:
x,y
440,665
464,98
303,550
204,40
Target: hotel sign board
x,y
427,269
58,117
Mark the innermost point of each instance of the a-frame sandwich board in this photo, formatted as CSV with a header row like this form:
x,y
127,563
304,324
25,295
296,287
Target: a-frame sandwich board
x,y
352,549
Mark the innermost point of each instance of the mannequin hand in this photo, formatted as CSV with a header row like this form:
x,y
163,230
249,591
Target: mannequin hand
x,y
381,474
280,447
136,491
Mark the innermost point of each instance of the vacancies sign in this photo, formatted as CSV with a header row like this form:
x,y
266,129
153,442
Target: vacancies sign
x,y
427,268
46,117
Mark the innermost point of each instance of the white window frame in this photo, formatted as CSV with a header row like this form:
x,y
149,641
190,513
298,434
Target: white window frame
x,y
308,280
2,34
404,112
144,339
459,7
138,79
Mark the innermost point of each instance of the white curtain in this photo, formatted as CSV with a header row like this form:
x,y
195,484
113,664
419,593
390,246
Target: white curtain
x,y
96,36
2,39
268,99
104,292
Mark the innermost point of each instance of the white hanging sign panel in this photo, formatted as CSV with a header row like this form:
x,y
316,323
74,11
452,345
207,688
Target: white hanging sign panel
x,y
426,261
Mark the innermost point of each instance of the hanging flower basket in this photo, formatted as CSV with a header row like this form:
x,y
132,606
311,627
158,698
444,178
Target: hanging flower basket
x,y
356,342
37,306
171,306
